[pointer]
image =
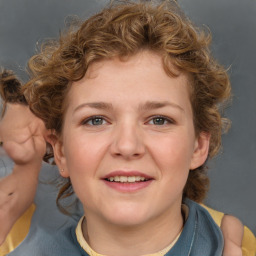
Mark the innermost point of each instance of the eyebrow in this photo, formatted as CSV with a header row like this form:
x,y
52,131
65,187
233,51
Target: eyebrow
x,y
97,105
151,105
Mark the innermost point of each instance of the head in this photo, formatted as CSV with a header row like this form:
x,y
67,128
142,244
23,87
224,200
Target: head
x,y
120,32
10,89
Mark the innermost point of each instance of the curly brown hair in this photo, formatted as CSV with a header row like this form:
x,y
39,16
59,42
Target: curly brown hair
x,y
10,89
123,29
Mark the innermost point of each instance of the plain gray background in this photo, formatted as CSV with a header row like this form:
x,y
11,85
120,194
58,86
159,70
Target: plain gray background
x,y
23,23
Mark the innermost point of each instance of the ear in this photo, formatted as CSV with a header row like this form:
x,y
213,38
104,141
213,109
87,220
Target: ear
x,y
58,151
201,150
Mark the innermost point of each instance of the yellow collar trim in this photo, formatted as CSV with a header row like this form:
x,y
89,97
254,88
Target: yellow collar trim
x,y
91,252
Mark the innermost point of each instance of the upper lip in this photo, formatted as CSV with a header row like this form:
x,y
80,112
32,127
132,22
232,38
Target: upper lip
x,y
127,174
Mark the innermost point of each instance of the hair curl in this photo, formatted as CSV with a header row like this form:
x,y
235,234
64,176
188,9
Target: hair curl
x,y
10,89
123,29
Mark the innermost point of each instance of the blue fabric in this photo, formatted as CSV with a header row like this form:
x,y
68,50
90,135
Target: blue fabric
x,y
200,237
49,230
53,234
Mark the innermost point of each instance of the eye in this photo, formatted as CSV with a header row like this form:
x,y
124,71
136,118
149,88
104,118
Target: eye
x,y
160,120
94,121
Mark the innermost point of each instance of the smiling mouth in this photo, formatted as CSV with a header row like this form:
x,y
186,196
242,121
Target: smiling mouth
x,y
127,179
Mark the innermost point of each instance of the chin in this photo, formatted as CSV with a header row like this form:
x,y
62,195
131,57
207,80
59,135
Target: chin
x,y
126,222
126,217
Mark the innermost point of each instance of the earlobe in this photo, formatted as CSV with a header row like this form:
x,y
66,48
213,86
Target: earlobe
x,y
59,155
201,150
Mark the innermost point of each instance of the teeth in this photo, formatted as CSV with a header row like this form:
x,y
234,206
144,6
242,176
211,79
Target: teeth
x,y
123,179
131,179
138,178
126,179
116,178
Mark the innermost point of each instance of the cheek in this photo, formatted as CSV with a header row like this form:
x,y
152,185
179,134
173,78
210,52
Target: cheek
x,y
84,154
81,166
84,158
173,160
173,152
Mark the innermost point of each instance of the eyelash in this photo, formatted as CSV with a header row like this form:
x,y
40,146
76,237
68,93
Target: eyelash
x,y
91,119
166,120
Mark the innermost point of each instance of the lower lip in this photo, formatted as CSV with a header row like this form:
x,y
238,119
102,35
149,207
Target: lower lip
x,y
127,187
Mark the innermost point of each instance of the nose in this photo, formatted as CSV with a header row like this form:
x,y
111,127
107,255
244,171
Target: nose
x,y
128,142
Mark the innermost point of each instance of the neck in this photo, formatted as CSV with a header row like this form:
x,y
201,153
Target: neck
x,y
147,238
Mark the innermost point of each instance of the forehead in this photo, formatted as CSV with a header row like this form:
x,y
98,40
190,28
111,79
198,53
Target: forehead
x,y
142,75
143,60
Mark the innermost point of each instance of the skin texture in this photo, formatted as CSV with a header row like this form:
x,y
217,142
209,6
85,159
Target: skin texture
x,y
233,231
138,119
23,141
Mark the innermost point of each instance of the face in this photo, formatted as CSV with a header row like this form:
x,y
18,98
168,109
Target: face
x,y
128,140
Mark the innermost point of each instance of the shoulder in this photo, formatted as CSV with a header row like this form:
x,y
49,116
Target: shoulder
x,y
18,232
232,225
216,215
209,238
54,243
200,235
207,227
